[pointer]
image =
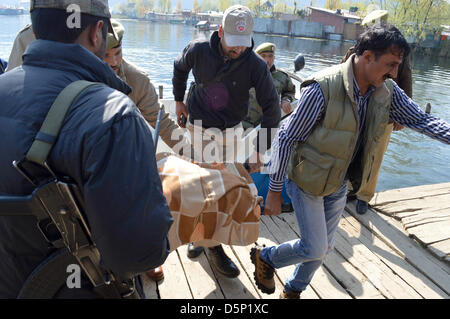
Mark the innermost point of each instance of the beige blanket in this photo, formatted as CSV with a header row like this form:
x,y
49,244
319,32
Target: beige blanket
x,y
210,203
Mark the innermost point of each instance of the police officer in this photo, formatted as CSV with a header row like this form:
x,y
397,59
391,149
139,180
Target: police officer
x,y
283,84
143,92
104,146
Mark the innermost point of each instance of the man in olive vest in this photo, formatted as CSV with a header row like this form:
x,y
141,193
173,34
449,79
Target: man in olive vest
x,y
333,137
404,81
281,80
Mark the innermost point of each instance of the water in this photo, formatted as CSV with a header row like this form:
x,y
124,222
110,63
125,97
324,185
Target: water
x,y
412,159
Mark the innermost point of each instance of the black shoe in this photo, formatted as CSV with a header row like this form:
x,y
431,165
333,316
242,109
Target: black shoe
x,y
222,263
193,252
361,207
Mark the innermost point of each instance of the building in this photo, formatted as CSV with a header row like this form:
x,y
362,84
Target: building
x,y
338,25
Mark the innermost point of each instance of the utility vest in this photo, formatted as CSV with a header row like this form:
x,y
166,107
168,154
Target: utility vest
x,y
320,164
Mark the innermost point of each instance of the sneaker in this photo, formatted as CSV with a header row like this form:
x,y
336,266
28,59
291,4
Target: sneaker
x,y
290,294
194,252
222,263
361,207
263,272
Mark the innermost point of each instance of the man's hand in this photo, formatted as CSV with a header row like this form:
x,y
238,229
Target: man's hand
x,y
273,203
255,162
180,108
286,106
398,127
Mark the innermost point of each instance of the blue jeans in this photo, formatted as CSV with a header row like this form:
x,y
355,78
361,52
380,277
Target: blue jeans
x,y
318,219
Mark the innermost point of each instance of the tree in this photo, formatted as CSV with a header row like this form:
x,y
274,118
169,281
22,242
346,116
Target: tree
x,y
333,4
223,5
179,6
208,5
195,7
417,18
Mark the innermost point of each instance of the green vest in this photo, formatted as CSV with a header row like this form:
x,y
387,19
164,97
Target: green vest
x,y
320,164
285,89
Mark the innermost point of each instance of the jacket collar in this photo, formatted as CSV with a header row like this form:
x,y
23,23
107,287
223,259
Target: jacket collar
x,y
75,59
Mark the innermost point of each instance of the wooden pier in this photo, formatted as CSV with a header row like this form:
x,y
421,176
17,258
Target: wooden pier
x,y
399,249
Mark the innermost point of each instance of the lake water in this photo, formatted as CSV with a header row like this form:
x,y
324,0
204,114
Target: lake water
x,y
412,159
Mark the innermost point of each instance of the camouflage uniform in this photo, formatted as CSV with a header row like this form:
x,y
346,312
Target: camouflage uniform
x,y
285,89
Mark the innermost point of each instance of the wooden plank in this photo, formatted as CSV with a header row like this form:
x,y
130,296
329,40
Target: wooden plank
x,y
235,288
436,271
418,213
431,203
408,193
200,276
353,281
426,217
150,288
175,284
441,249
431,232
323,283
418,281
381,276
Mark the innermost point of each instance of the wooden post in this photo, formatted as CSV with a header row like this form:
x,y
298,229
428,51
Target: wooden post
x,y
160,92
428,108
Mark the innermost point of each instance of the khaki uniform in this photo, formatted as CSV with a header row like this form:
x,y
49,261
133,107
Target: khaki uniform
x,y
24,37
285,89
144,96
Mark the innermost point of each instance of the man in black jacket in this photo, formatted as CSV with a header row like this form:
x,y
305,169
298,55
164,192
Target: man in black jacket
x,y
224,68
105,146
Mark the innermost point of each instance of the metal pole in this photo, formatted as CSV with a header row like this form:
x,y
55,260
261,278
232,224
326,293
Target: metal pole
x,y
158,124
161,92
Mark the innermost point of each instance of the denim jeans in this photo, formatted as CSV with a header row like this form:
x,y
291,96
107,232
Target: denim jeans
x,y
318,219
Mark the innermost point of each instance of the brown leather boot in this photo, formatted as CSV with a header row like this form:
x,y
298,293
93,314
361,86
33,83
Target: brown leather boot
x,y
290,294
156,274
263,272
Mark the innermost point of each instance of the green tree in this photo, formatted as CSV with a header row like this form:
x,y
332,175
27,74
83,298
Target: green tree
x,y
223,4
333,4
417,18
209,5
195,7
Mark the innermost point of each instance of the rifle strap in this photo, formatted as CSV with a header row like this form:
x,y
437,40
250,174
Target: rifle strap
x,y
48,133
